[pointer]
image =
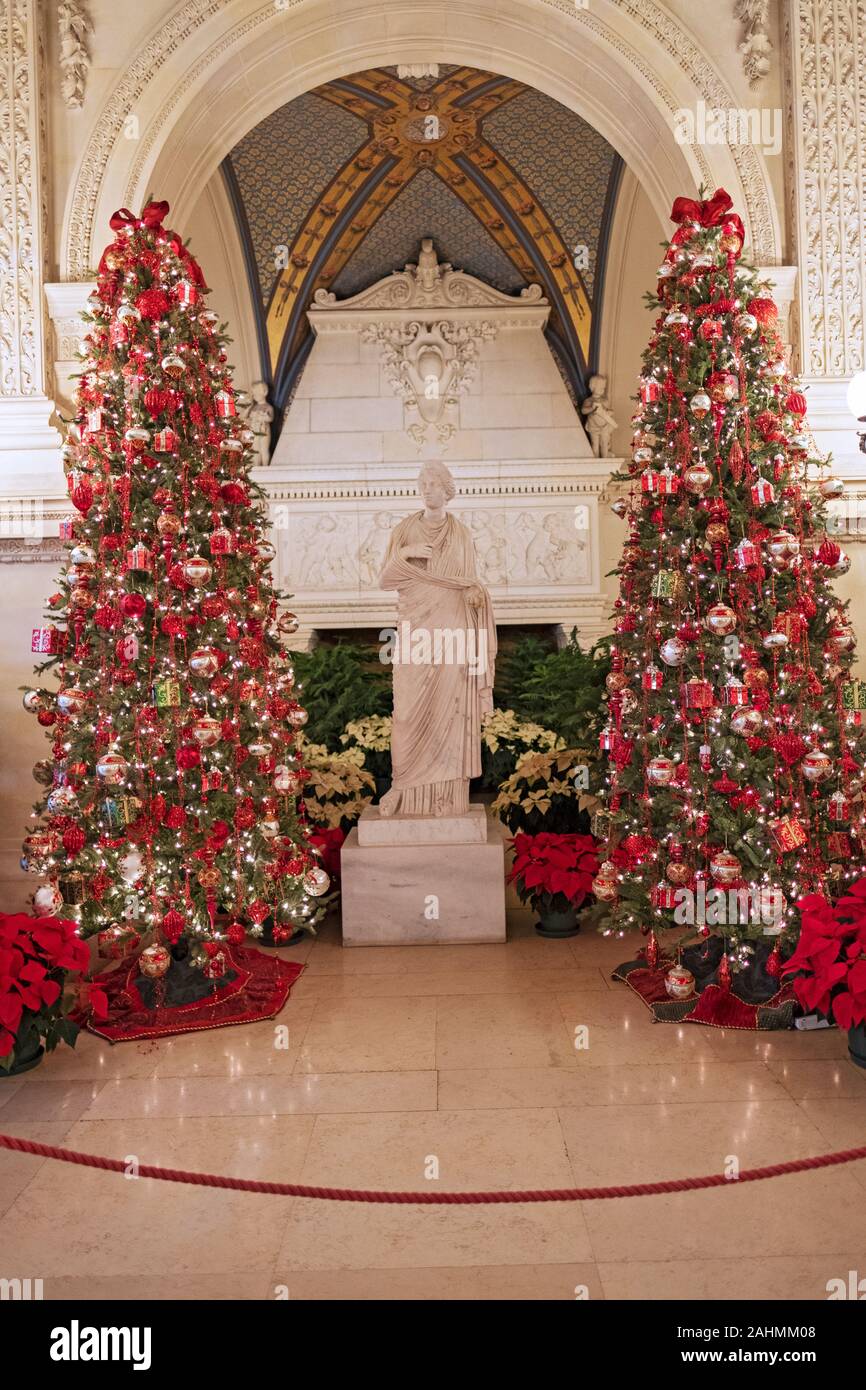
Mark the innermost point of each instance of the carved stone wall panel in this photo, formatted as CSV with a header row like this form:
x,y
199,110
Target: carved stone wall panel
x,y
827,106
22,200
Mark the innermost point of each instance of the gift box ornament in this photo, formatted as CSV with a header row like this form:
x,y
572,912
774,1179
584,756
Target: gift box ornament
x,y
650,390
854,695
72,889
215,967
736,693
839,845
139,558
47,641
788,834
839,807
763,493
661,484
167,693
165,441
117,942
120,810
222,542
669,584
186,293
698,694
746,554
664,895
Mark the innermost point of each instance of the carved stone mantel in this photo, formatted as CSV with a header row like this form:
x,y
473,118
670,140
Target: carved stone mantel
x,y
432,362
429,321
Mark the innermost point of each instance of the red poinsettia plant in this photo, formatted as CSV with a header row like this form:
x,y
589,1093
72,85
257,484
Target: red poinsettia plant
x,y
553,871
829,963
35,955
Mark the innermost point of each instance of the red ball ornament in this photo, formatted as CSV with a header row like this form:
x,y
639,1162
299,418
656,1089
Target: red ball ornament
x,y
188,757
236,934
133,605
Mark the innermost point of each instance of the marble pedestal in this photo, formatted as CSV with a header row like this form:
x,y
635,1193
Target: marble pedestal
x,y
416,887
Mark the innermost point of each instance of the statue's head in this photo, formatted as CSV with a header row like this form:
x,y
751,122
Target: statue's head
x,y
598,385
436,484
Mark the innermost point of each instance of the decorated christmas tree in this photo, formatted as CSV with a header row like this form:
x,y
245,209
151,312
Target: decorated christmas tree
x,y
734,741
171,802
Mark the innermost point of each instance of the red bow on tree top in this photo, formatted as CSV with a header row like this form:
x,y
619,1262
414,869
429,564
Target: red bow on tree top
x,y
151,216
707,213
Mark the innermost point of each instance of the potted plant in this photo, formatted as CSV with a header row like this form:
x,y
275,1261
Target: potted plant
x,y
554,873
561,689
372,736
829,963
340,683
338,787
36,953
548,792
505,739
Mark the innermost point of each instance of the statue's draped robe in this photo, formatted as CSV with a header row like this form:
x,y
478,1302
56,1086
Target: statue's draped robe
x,y
436,732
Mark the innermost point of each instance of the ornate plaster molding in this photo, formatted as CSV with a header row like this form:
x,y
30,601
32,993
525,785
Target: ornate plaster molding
x,y
161,50
430,366
430,322
429,284
23,210
74,58
826,94
754,15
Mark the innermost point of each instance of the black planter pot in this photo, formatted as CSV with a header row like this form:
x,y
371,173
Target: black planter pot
x,y
383,785
554,924
857,1045
26,1057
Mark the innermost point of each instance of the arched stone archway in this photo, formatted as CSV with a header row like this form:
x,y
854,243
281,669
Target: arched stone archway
x,y
204,79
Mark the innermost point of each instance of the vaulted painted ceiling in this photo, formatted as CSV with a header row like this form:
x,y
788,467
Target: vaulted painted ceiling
x,y
336,189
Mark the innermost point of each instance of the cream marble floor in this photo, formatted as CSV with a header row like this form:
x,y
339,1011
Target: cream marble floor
x,y
464,1056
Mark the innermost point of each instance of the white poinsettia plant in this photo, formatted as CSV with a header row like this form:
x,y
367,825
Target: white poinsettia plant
x,y
339,786
371,737
506,738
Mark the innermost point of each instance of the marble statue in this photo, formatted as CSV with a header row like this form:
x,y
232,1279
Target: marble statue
x,y
600,423
443,656
260,417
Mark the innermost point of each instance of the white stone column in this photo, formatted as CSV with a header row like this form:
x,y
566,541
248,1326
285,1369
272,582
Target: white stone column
x,y
29,454
67,300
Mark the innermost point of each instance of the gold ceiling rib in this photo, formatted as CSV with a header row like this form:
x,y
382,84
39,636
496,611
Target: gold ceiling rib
x,y
429,129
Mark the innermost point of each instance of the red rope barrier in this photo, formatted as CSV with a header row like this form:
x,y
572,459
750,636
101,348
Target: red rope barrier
x,y
348,1194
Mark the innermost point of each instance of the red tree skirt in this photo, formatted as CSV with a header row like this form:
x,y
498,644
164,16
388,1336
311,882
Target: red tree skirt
x,y
259,990
716,1007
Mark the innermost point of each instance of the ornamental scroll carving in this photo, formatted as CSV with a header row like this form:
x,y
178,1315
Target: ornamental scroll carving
x,y
430,365
74,30
827,95
21,201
